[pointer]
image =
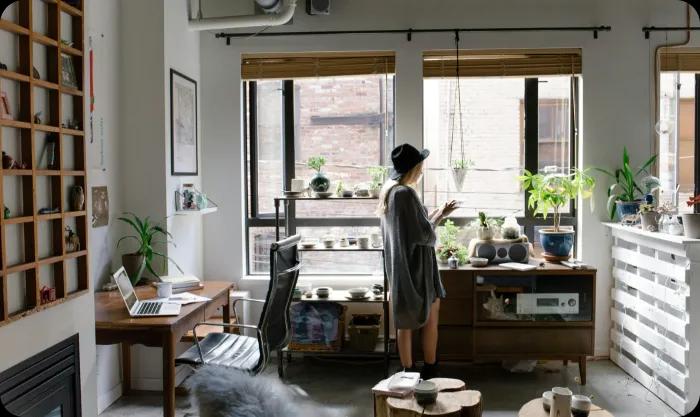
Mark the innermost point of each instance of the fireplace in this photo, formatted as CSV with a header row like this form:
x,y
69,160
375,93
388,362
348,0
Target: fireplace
x,y
45,385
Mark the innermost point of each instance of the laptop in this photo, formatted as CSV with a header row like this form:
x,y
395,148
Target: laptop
x,y
139,308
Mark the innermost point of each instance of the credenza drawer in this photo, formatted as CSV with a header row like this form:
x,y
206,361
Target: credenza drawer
x,y
456,311
535,341
455,342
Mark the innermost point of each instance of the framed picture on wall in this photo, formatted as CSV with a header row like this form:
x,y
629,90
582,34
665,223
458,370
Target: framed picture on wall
x,y
183,125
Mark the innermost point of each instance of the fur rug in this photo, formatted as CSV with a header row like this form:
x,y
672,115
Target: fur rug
x,y
221,392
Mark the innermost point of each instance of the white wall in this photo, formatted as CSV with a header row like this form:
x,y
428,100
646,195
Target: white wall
x,y
616,92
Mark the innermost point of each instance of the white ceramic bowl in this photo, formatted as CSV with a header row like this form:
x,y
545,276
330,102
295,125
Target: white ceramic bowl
x,y
323,292
358,292
478,262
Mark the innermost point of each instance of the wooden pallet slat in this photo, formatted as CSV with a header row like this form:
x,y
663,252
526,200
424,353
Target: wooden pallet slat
x,y
649,263
677,299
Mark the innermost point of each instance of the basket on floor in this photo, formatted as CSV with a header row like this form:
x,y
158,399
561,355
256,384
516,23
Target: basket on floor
x,y
364,332
317,327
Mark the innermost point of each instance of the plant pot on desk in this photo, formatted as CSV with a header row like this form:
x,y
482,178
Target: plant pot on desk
x,y
557,245
134,265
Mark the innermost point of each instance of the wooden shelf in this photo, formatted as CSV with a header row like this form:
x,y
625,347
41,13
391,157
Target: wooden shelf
x,y
8,26
336,248
11,75
15,123
28,41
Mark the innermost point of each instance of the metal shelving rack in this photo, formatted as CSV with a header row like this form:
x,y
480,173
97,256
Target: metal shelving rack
x,y
337,296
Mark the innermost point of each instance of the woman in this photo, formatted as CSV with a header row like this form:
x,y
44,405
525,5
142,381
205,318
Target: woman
x,y
409,256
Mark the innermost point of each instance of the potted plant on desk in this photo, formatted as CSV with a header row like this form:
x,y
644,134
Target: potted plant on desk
x,y
449,245
552,192
145,234
625,195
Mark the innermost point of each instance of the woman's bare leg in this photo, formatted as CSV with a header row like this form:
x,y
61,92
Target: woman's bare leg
x,y
430,334
405,351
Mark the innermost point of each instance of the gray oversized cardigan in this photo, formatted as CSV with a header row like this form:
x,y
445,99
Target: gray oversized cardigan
x,y
409,258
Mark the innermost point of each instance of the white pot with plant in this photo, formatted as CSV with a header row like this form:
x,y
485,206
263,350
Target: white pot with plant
x,y
551,192
485,231
459,169
650,217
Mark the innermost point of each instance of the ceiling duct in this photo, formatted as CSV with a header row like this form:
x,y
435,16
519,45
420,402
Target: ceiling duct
x,y
277,12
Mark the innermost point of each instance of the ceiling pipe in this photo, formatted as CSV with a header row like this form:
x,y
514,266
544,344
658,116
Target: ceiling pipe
x,y
277,12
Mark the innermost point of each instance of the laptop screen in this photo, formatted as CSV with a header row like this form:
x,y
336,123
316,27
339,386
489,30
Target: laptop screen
x,y
125,287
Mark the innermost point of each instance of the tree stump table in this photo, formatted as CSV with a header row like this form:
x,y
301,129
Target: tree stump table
x,y
534,409
454,400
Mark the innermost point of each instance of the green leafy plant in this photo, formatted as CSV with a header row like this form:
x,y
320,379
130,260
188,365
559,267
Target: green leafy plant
x,y
462,164
483,220
316,163
145,236
449,244
378,175
551,192
629,184
339,188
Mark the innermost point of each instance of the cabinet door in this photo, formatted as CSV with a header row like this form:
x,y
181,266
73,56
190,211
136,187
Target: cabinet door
x,y
534,342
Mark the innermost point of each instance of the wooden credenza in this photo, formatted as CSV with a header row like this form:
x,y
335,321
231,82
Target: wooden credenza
x,y
469,332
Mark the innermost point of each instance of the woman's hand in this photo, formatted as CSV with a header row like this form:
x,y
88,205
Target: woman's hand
x,y
445,210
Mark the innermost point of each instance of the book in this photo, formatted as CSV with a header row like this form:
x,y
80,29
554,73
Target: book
x,y
399,385
182,281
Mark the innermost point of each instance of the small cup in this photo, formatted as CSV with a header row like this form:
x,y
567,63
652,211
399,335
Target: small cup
x,y
363,242
343,242
547,401
580,406
298,185
376,240
164,289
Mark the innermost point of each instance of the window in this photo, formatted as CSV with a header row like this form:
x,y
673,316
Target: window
x,y
677,138
348,119
509,123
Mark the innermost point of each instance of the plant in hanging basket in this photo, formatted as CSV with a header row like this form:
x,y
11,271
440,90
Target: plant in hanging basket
x,y
459,169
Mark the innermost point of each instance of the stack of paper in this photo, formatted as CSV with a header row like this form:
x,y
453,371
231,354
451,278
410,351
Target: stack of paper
x,y
183,282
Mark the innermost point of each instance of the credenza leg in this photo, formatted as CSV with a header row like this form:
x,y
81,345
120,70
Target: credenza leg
x,y
582,369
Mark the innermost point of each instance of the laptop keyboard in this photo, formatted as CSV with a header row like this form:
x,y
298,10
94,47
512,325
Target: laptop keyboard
x,y
149,308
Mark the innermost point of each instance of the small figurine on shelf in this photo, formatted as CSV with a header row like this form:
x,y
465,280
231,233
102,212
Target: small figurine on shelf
x,y
35,73
9,162
37,118
48,210
3,66
71,124
47,294
72,240
6,213
77,198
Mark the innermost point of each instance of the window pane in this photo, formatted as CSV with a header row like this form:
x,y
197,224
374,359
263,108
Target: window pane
x,y
259,241
677,138
493,127
345,263
343,119
269,150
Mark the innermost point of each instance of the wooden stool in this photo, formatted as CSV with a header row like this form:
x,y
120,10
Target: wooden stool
x,y
534,409
453,400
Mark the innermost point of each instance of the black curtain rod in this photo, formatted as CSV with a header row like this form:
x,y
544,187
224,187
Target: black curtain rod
x,y
648,29
409,32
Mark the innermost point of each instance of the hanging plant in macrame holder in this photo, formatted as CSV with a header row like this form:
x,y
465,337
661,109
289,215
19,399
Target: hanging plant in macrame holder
x,y
459,164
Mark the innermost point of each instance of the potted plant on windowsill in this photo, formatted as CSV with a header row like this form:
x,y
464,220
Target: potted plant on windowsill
x,y
319,182
449,245
145,234
552,192
378,176
459,169
649,217
485,231
625,195
691,221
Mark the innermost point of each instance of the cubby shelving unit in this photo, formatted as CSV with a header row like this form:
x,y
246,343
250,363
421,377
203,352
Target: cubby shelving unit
x,y
33,245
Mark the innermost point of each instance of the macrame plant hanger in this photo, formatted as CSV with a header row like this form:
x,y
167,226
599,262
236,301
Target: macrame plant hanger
x,y
458,167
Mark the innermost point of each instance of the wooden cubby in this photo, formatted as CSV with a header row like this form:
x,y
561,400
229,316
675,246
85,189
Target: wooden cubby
x,y
34,254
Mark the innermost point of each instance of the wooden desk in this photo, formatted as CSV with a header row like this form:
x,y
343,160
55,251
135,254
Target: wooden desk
x,y
114,325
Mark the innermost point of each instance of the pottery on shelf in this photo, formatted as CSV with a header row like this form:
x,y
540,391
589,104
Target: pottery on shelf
x,y
557,244
77,198
484,233
650,221
320,182
626,208
134,264
691,225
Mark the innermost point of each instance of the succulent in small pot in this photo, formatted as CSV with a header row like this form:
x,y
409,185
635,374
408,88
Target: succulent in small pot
x,y
459,169
649,217
630,186
485,231
552,192
691,221
319,182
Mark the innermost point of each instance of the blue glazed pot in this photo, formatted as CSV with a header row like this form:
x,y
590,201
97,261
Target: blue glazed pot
x,y
320,183
557,243
626,208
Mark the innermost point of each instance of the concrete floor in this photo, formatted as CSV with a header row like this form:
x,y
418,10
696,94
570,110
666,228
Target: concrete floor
x,y
346,386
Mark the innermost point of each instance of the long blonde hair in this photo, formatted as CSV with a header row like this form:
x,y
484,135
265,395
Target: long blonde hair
x,y
408,179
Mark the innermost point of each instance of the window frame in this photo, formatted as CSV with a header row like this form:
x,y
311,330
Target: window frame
x,y
254,219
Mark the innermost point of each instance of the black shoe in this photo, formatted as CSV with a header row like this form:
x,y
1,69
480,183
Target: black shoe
x,y
412,368
430,371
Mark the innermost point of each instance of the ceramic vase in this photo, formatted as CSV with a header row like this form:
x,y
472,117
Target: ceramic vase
x,y
557,244
650,221
320,183
626,208
691,225
484,233
134,265
77,198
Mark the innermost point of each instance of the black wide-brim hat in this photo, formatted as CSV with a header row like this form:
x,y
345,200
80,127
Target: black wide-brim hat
x,y
405,157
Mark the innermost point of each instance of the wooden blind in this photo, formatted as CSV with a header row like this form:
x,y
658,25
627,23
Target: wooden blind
x,y
680,59
265,66
502,63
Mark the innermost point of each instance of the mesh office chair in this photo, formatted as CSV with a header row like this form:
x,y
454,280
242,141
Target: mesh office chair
x,y
246,353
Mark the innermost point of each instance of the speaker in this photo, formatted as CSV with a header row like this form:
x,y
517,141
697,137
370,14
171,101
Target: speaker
x,y
498,253
317,7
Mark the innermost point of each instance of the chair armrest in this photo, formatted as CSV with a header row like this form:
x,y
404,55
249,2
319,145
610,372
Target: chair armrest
x,y
252,300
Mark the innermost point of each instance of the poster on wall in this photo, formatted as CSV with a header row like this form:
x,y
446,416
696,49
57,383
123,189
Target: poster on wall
x,y
100,206
183,124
